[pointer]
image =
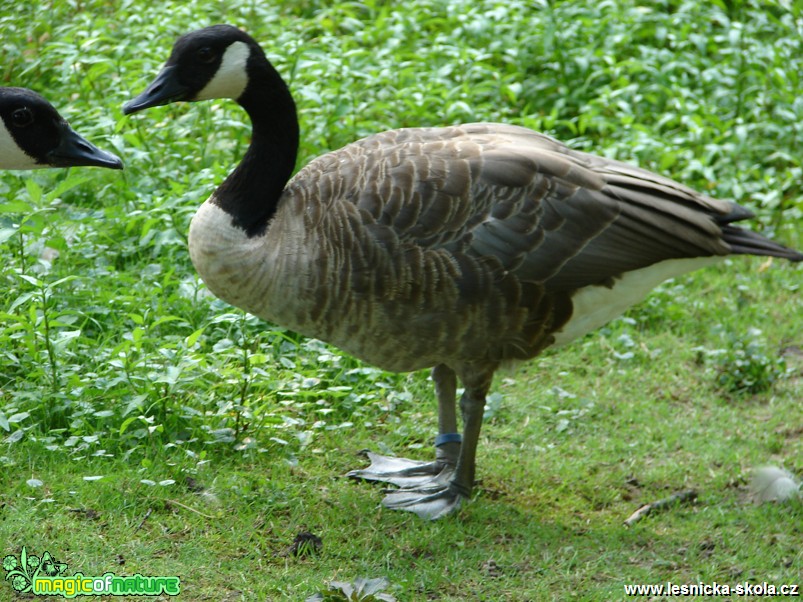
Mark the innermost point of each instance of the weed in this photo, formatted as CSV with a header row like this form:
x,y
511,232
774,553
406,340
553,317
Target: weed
x,y
745,366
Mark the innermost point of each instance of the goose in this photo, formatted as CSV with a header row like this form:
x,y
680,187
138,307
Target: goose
x,y
453,248
33,135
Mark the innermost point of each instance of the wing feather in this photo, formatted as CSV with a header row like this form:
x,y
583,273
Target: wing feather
x,y
470,241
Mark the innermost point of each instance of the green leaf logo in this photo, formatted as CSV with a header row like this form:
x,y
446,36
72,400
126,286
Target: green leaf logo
x,y
23,570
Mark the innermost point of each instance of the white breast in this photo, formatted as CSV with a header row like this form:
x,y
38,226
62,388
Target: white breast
x,y
261,274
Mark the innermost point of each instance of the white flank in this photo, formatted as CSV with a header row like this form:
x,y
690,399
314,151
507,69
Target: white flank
x,y
594,306
231,77
11,155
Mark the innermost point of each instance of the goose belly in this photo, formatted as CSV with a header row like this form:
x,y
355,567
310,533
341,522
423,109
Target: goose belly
x,y
594,306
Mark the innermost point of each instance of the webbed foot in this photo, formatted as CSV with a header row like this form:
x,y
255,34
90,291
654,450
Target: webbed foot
x,y
426,488
399,471
434,489
430,502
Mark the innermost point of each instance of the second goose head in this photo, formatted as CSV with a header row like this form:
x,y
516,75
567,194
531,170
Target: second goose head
x,y
33,135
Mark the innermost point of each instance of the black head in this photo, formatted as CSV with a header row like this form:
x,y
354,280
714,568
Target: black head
x,y
213,62
34,135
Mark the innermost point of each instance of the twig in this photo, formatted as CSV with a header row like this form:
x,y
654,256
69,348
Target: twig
x,y
191,509
688,495
144,518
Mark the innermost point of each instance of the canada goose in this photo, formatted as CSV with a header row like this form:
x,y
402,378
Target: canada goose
x,y
454,248
33,135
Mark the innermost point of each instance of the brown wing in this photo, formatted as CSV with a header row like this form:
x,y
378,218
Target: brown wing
x,y
469,241
546,212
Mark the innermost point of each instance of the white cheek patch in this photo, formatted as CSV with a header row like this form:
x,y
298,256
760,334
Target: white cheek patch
x,y
231,77
11,155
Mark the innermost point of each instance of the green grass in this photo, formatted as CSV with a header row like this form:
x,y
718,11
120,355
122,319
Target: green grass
x,y
220,438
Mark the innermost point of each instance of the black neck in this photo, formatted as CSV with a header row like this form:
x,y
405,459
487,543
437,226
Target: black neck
x,y
251,192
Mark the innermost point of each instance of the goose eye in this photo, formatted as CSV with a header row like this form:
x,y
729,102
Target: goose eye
x,y
205,54
22,117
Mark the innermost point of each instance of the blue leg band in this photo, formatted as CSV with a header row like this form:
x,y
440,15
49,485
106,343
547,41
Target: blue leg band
x,y
445,438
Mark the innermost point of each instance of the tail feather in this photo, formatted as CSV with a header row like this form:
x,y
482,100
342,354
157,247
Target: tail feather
x,y
746,242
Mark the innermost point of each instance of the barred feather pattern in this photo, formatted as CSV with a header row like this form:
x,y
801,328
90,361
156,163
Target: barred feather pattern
x,y
470,243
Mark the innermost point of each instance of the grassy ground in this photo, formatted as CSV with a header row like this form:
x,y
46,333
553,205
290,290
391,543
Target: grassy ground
x,y
148,428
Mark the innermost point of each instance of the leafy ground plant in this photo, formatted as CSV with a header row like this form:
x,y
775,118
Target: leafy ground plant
x,y
744,366
362,590
149,428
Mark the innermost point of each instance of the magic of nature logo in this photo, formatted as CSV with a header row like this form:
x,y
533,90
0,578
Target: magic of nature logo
x,y
46,576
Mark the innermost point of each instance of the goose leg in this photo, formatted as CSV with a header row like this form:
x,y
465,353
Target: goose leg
x,y
410,473
445,492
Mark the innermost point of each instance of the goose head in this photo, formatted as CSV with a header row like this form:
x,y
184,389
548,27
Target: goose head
x,y
214,62
33,135
223,62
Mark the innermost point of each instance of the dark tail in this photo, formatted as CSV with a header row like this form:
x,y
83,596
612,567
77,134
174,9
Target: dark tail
x,y
745,242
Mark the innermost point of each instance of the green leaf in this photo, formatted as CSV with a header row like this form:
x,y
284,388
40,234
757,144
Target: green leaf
x,y
15,206
126,423
362,590
61,281
73,180
19,417
6,233
164,320
193,338
34,190
32,280
23,298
